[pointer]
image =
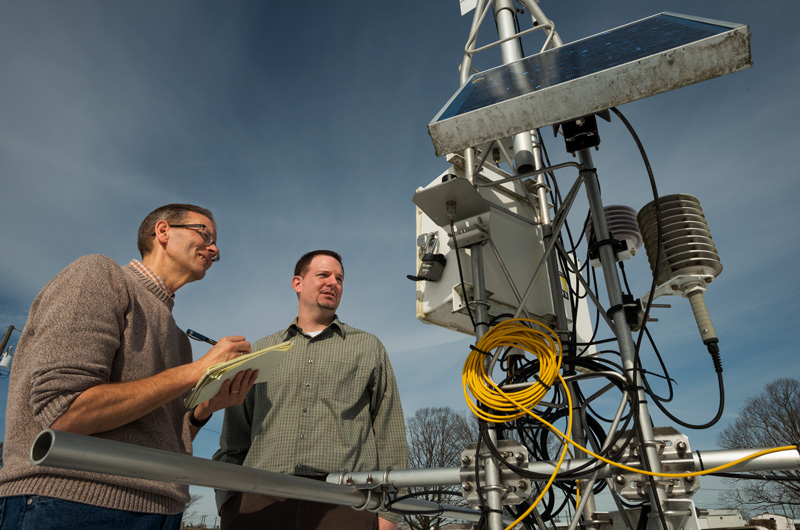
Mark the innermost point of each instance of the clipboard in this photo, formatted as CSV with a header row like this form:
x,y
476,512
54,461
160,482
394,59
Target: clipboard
x,y
266,361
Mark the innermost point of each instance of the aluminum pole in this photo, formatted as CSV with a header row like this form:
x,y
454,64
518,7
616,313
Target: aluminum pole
x,y
88,453
700,460
466,62
491,471
622,330
504,12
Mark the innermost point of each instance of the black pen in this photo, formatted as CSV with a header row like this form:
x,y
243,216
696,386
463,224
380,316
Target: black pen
x,y
202,338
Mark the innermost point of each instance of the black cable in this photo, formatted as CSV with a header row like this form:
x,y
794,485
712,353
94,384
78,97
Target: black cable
x,y
659,235
664,369
648,307
540,450
461,276
643,515
644,461
425,492
657,261
706,425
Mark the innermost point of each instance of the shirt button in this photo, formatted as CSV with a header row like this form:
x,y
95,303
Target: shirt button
x,y
29,502
305,410
310,361
308,384
302,436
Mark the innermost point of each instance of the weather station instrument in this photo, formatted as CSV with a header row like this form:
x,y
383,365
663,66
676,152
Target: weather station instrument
x,y
489,131
495,261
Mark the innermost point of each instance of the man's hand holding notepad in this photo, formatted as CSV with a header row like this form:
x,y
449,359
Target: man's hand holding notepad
x,y
266,361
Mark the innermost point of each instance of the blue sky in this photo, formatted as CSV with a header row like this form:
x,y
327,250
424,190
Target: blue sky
x,y
303,125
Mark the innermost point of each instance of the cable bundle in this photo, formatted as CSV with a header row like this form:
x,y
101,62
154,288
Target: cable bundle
x,y
507,406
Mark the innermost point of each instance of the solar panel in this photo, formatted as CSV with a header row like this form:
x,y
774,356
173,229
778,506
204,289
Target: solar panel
x,y
644,58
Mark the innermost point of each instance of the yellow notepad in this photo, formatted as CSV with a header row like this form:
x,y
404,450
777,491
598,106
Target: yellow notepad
x,y
266,361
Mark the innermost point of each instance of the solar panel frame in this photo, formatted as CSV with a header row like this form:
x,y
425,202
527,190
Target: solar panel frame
x,y
520,96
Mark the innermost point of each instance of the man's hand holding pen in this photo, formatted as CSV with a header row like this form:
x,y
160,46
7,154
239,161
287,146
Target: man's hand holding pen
x,y
225,349
233,391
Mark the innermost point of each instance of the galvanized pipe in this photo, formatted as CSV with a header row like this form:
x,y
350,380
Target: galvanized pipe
x,y
701,460
505,17
490,467
88,453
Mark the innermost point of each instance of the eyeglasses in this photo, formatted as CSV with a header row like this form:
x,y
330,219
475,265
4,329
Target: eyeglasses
x,y
206,235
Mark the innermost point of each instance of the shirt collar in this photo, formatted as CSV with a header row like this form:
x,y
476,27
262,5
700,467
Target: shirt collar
x,y
336,325
152,276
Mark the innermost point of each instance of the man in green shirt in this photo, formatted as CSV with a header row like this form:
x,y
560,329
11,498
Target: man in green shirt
x,y
332,405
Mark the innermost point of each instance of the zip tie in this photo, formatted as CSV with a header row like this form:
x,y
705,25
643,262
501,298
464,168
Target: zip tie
x,y
702,465
536,376
473,347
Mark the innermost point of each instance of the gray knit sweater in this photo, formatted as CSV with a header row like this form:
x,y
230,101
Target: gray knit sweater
x,y
95,322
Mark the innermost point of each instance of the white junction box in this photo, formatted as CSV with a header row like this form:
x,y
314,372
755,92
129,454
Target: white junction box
x,y
500,216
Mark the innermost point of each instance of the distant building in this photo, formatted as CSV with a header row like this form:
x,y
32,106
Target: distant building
x,y
771,521
720,519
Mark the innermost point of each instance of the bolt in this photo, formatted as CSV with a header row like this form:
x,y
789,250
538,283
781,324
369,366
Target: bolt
x,y
370,480
520,457
466,460
620,480
521,485
680,446
688,480
466,486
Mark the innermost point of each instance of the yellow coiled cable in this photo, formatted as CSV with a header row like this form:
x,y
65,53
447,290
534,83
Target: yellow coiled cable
x,y
515,404
546,346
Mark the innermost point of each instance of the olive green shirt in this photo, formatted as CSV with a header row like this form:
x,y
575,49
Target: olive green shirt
x,y
332,405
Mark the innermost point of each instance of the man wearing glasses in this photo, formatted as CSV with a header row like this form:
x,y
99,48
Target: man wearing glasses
x,y
101,355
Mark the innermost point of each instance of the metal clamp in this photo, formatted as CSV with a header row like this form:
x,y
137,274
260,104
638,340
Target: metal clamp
x,y
513,488
366,503
371,486
673,448
342,475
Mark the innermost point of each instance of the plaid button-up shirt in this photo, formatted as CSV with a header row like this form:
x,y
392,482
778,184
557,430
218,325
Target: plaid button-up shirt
x,y
332,405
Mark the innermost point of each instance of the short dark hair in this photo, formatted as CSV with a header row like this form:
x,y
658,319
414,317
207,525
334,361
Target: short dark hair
x,y
172,214
305,262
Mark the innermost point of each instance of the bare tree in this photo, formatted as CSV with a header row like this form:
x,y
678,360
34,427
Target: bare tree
x,y
194,499
770,419
436,437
